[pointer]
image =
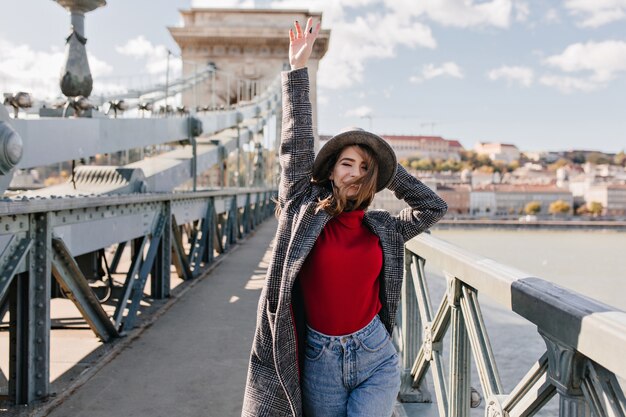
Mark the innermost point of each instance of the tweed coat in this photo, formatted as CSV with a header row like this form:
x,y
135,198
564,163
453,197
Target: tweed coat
x,y
273,386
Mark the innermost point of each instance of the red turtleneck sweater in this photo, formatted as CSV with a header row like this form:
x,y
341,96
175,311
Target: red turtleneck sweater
x,y
339,278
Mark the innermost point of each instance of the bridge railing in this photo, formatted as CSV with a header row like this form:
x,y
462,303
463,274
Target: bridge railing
x,y
45,238
585,339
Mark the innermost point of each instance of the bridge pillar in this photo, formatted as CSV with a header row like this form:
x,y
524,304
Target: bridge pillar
x,y
247,47
29,340
411,338
566,369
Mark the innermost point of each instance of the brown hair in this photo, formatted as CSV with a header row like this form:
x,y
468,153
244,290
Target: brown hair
x,y
338,201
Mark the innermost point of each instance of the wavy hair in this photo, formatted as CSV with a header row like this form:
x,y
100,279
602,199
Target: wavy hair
x,y
338,202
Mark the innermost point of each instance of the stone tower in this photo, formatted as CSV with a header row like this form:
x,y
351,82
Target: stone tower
x,y
248,47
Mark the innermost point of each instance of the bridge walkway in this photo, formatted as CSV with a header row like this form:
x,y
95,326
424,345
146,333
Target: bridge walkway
x,y
192,361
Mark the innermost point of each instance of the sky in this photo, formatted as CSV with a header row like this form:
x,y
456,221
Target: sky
x,y
543,75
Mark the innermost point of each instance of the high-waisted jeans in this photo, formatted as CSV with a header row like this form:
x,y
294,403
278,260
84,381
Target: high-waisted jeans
x,y
355,375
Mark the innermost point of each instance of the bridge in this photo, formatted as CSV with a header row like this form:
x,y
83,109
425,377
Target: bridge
x,y
131,288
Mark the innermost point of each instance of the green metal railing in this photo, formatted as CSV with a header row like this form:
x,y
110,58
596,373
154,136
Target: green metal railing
x,y
585,339
47,236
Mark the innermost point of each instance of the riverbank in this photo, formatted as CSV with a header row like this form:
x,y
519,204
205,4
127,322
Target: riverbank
x,y
594,225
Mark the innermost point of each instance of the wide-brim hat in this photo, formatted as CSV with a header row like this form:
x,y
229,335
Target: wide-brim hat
x,y
384,154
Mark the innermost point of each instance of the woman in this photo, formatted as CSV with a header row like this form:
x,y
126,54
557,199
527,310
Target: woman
x,y
322,345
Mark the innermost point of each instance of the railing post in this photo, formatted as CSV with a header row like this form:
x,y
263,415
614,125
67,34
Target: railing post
x,y
566,368
411,336
29,350
160,274
459,398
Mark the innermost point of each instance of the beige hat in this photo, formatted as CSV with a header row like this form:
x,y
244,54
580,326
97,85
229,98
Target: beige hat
x,y
382,151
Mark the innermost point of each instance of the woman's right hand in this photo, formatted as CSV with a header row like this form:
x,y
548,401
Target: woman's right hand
x,y
301,43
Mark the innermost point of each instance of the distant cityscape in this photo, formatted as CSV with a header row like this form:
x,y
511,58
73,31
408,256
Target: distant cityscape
x,y
498,180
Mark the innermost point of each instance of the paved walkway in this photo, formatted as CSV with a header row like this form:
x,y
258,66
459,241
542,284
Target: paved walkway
x,y
193,360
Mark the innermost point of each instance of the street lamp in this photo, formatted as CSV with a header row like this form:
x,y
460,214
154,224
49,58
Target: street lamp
x,y
76,77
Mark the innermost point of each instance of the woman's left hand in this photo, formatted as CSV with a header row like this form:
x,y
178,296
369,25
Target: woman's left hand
x,y
301,43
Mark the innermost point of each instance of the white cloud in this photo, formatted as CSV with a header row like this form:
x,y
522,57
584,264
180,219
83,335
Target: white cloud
x,y
379,32
522,10
521,75
227,4
430,71
603,59
361,38
459,13
552,16
154,56
361,111
567,84
38,72
596,13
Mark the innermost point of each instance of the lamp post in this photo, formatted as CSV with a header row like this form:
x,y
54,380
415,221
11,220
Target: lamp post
x,y
76,77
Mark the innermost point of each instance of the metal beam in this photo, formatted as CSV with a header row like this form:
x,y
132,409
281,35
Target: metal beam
x,y
542,303
29,344
71,279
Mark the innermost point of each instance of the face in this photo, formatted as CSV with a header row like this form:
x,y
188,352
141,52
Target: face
x,y
350,166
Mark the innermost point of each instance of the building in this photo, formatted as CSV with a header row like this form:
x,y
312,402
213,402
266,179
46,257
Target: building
x,y
457,197
611,196
504,152
425,147
247,47
386,200
509,200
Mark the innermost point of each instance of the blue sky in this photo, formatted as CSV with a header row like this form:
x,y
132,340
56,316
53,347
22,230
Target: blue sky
x,y
544,75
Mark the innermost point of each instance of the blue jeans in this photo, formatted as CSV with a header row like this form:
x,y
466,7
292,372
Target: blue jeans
x,y
352,375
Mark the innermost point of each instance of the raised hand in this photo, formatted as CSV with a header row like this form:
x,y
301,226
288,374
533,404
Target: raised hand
x,y
301,43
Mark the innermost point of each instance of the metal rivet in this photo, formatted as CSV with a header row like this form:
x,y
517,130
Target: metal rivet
x,y
40,287
40,340
3,279
40,393
40,269
40,230
15,257
40,322
41,256
40,305
22,247
39,243
39,358
39,376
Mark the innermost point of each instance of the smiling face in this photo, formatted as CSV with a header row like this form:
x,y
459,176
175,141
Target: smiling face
x,y
351,166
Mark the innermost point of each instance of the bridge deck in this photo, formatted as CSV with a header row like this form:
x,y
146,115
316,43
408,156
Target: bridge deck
x,y
193,360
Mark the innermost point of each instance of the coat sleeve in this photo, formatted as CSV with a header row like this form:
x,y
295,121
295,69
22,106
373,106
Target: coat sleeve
x,y
296,151
425,207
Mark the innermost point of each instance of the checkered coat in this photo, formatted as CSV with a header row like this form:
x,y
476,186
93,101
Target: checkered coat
x,y
273,386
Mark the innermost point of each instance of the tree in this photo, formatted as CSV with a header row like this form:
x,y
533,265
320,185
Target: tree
x,y
559,207
558,164
620,158
512,166
595,208
533,207
422,165
598,158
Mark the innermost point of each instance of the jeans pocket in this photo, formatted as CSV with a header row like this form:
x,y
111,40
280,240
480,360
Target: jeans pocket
x,y
313,351
376,340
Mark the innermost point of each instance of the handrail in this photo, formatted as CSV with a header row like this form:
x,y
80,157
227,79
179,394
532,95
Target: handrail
x,y
585,339
40,238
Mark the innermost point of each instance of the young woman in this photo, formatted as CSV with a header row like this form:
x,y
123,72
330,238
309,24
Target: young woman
x,y
322,345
